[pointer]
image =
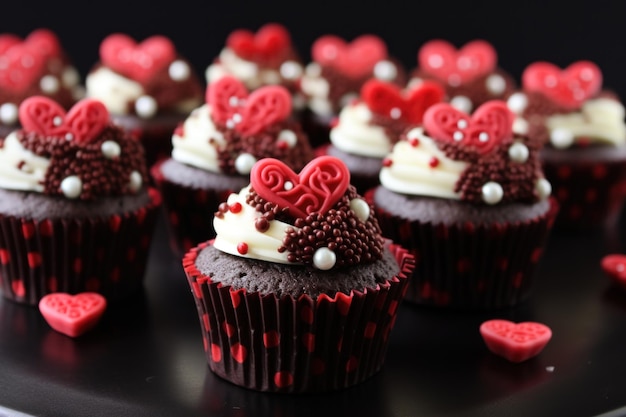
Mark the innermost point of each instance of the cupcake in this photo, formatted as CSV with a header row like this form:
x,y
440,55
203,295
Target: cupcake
x,y
215,148
368,127
147,87
470,74
582,129
336,74
36,65
468,198
299,291
267,57
75,212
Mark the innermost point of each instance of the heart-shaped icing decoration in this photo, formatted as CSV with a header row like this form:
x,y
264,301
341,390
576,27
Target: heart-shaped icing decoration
x,y
389,100
355,59
21,65
248,114
488,126
270,42
515,342
42,115
455,67
42,41
72,315
138,61
569,87
317,188
614,266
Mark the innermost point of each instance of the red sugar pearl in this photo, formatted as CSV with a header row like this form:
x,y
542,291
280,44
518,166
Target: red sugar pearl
x,y
414,142
387,162
242,248
235,208
434,162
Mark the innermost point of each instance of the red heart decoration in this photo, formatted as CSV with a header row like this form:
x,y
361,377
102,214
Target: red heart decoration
x,y
383,97
356,59
516,342
44,41
21,65
7,41
442,60
138,61
569,87
72,315
489,125
271,42
264,107
318,187
44,116
614,266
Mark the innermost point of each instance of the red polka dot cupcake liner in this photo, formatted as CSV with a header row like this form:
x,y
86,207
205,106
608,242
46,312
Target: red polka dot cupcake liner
x,y
470,267
73,255
281,344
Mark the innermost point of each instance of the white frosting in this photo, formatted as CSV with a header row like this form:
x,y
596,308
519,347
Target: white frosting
x,y
316,89
31,175
235,228
411,172
355,134
113,90
600,120
193,148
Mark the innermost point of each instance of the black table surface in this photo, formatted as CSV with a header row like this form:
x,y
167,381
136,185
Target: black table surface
x,y
145,357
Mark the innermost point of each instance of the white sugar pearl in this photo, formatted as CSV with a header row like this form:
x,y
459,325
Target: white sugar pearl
x,y
110,149
57,120
244,163
8,113
517,103
385,70
313,70
461,124
49,84
395,113
179,70
483,136
360,208
70,77
71,186
520,126
291,70
289,137
495,84
146,107
324,259
492,192
135,181
458,135
288,185
518,152
561,138
461,103
543,188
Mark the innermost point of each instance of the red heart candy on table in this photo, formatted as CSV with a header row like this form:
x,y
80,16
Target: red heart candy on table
x,y
85,120
317,188
488,126
383,98
138,61
72,315
515,342
569,87
271,41
614,266
266,106
442,60
355,59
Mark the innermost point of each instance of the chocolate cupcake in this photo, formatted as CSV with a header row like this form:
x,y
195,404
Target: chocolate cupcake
x,y
368,127
336,74
147,87
470,74
468,198
215,148
34,66
75,212
299,291
584,135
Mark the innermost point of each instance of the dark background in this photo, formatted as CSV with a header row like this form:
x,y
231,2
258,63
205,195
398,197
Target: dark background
x,y
521,31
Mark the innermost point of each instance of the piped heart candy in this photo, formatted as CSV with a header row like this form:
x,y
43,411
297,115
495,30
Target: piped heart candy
x,y
455,67
317,188
43,41
270,43
355,59
389,100
21,65
488,126
72,315
569,87
84,122
515,342
231,106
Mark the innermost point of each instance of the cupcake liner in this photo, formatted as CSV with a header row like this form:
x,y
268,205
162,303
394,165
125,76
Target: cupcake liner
x,y
282,344
105,255
467,266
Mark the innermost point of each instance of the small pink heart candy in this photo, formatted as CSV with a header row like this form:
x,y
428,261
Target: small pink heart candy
x,y
72,315
515,342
